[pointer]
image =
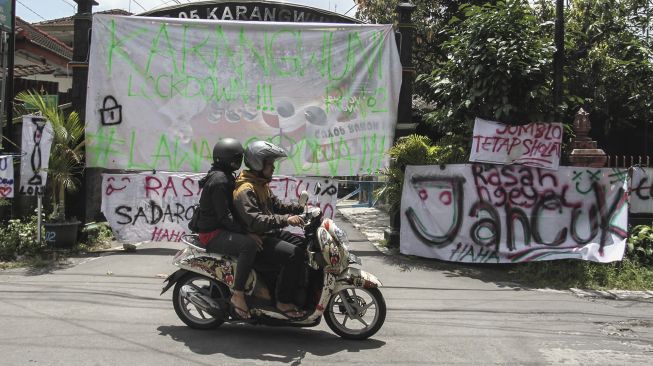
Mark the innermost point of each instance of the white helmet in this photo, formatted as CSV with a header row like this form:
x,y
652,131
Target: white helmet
x,y
258,152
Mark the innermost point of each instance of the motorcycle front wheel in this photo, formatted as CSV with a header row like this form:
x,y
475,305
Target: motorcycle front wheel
x,y
356,313
190,313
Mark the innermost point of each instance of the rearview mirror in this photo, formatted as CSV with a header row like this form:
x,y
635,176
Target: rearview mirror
x,y
303,198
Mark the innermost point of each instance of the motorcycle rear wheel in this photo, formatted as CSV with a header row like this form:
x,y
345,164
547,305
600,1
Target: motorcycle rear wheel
x,y
189,313
364,308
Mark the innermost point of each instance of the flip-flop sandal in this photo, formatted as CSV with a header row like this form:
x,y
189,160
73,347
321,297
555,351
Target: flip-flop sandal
x,y
239,311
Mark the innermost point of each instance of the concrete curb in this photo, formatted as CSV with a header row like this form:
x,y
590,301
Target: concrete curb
x,y
613,294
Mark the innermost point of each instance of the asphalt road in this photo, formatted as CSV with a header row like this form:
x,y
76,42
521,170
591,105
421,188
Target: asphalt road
x,y
106,310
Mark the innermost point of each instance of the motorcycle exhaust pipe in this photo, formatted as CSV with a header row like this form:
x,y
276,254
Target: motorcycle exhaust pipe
x,y
202,301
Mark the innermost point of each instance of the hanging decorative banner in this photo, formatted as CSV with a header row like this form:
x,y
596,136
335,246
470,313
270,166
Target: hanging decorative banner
x,y
485,213
163,90
6,176
157,207
536,144
35,144
641,190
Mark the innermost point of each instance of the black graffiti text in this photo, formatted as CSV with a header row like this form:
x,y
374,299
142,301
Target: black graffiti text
x,y
153,213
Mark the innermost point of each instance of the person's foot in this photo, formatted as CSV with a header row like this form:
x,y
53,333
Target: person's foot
x,y
240,305
290,311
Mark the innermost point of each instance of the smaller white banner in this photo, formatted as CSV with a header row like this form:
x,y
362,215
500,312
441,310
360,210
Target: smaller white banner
x,y
641,190
149,207
157,207
536,144
6,177
36,143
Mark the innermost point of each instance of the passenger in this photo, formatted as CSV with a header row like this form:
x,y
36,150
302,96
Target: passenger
x,y
219,232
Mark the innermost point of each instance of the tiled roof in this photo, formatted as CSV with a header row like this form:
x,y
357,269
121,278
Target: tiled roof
x,y
28,70
69,20
24,29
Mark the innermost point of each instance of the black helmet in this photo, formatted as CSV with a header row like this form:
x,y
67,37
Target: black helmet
x,y
258,152
228,154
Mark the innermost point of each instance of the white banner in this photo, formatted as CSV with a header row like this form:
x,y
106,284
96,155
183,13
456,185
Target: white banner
x,y
161,91
157,207
536,144
505,214
6,176
36,143
641,190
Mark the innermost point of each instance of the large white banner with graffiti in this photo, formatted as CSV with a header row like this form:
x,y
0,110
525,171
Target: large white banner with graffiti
x,y
487,213
161,91
641,190
157,207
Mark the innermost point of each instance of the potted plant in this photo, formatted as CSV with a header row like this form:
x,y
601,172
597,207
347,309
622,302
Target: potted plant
x,y
65,164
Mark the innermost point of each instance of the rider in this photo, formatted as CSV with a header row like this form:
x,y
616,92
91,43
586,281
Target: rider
x,y
219,232
264,214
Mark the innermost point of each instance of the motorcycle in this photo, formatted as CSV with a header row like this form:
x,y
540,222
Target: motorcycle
x,y
336,288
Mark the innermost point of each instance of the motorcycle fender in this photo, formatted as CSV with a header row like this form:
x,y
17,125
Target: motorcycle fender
x,y
172,279
354,277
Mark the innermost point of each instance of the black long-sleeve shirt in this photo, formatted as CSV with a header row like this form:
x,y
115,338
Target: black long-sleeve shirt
x,y
216,203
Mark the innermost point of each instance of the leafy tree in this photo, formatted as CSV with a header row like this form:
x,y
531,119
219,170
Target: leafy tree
x,y
498,67
609,71
495,61
431,18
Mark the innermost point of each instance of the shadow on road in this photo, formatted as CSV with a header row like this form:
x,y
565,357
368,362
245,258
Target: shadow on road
x,y
494,273
269,344
499,274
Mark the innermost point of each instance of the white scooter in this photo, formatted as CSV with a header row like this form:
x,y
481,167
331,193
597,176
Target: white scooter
x,y
347,297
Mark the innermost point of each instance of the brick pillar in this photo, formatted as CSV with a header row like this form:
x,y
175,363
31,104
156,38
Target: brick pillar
x,y
585,151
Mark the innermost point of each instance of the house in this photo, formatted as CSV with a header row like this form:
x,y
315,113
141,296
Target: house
x,y
40,57
43,52
63,28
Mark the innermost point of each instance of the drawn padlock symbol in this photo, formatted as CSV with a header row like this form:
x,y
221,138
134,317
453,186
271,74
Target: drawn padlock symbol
x,y
111,112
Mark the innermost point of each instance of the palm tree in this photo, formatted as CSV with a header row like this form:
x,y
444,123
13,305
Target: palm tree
x,y
67,152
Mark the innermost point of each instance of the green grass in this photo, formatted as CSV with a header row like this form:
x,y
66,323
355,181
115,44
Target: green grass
x,y
31,262
564,274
